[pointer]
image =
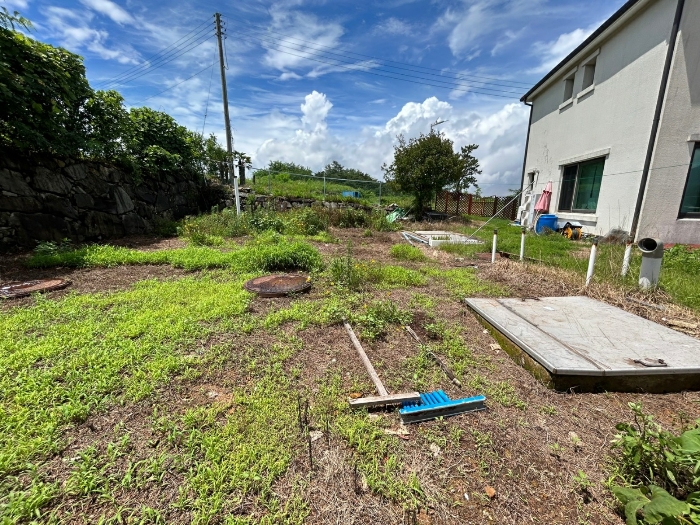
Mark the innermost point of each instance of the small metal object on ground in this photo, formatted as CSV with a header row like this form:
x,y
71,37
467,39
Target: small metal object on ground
x,y
578,342
449,373
17,289
278,285
437,404
384,398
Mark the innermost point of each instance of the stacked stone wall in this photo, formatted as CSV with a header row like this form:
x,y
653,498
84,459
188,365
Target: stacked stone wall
x,y
48,199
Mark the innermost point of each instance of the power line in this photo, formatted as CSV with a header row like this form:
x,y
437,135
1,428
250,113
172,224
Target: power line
x,y
448,84
459,76
147,62
206,107
200,39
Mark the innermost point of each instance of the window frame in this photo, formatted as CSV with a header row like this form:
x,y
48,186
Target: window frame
x,y
681,213
576,185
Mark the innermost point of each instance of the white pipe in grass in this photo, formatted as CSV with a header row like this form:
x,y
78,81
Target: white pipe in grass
x,y
493,248
522,244
236,194
626,259
591,262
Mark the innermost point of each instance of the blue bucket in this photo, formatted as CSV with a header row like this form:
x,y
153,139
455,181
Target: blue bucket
x,y
546,222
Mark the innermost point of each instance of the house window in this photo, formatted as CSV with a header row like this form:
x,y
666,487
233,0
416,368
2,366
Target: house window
x,y
690,205
580,186
588,74
569,87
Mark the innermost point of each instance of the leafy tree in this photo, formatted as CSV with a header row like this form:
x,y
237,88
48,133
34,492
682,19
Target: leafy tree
x,y
8,20
424,165
107,126
43,91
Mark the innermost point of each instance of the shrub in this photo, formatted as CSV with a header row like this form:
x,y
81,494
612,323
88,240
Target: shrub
x,y
660,470
406,252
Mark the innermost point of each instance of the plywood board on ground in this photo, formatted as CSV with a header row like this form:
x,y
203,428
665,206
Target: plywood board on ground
x,y
579,337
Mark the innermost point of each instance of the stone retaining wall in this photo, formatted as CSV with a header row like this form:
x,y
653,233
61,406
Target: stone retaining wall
x,y
46,199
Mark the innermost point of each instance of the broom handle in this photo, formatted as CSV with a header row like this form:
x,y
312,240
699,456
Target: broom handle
x,y
365,360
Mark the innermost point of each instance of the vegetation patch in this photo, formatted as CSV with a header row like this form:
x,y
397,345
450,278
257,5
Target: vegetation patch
x,y
463,282
406,252
267,254
64,359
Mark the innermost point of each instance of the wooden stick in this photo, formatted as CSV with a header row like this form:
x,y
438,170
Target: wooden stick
x,y
365,360
439,361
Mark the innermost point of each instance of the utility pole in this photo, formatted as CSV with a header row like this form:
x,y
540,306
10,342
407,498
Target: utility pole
x,y
227,121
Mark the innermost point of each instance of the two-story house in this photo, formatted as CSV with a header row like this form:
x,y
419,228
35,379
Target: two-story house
x,y
616,125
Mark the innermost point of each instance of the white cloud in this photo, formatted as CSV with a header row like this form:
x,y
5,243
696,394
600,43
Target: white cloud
x,y
553,52
110,9
75,31
393,26
307,139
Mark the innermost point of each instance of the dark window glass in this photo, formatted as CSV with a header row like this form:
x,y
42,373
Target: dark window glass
x,y
589,176
580,186
690,205
568,185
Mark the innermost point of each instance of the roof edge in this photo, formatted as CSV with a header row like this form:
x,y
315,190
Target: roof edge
x,y
609,22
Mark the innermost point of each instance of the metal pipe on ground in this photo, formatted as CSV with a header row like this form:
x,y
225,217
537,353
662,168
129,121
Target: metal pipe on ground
x,y
591,262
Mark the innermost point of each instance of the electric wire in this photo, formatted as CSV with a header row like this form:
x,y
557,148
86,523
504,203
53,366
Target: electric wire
x,y
200,39
359,67
458,76
206,106
156,56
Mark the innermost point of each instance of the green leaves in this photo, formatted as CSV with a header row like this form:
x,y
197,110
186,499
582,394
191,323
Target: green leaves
x,y
428,163
651,505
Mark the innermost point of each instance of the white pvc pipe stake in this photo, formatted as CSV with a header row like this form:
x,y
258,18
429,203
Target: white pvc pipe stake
x,y
493,248
522,244
236,195
626,259
591,262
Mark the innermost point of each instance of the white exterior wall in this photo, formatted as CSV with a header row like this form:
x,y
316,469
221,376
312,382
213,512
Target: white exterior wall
x,y
614,120
680,120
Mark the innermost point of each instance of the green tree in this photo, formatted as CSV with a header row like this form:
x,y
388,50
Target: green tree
x,y
107,125
43,91
8,20
424,165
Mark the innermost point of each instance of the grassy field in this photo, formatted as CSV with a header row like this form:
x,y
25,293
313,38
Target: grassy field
x,y
185,399
677,278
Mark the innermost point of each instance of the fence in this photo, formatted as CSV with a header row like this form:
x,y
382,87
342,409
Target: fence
x,y
461,204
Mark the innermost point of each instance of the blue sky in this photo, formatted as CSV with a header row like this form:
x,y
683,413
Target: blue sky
x,y
312,81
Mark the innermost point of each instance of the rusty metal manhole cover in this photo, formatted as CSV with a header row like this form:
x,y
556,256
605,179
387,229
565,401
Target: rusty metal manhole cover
x,y
23,288
278,285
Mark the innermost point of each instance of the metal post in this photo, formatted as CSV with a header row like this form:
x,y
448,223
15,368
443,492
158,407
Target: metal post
x,y
591,262
522,244
269,184
227,121
493,248
324,188
626,259
380,193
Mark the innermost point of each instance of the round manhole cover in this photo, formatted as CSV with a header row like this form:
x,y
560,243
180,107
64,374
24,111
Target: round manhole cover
x,y
24,288
278,285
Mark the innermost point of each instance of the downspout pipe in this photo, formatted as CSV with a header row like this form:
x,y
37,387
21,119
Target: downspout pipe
x,y
657,118
527,144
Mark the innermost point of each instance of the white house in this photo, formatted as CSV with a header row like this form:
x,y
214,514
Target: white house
x,y
616,125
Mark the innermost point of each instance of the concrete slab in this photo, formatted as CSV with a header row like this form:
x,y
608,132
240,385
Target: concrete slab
x,y
437,237
579,342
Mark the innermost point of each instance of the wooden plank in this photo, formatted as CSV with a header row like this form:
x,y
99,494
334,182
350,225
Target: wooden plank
x,y
389,399
365,360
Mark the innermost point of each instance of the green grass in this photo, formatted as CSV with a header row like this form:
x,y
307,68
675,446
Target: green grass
x,y
254,257
678,274
463,282
64,359
406,252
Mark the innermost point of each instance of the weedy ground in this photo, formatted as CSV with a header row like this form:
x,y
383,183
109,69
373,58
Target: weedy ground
x,y
157,390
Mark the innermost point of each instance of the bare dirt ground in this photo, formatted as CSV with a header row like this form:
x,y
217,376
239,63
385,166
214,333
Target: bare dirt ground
x,y
507,465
